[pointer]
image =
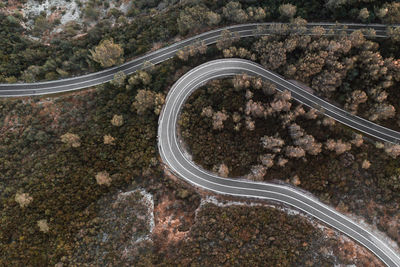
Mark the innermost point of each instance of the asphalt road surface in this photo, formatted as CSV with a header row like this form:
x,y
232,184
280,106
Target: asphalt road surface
x,y
155,57
176,159
179,162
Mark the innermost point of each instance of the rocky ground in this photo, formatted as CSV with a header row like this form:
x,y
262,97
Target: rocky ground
x,y
133,229
43,20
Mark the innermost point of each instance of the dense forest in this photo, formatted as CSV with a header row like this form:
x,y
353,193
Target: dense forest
x,y
263,135
67,53
65,158
247,128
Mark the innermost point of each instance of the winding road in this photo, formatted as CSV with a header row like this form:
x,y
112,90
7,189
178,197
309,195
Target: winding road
x,y
175,157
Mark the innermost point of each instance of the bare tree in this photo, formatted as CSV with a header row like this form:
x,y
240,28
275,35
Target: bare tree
x,y
218,120
237,127
310,64
318,31
236,117
392,16
328,121
268,88
241,81
256,13
365,164
207,112
198,47
267,160
285,95
272,143
393,33
309,144
233,11
223,170
144,100
382,111
287,10
257,173
280,105
357,97
298,26
278,29
238,52
295,131
72,140
327,81
193,18
140,77
339,146
117,120
381,96
249,94
392,150
108,139
282,162
250,124
159,101
381,13
119,79
23,199
357,38
273,54
255,109
103,178
311,114
257,83
287,118
364,14
212,18
294,152
357,140
227,39
43,226
299,111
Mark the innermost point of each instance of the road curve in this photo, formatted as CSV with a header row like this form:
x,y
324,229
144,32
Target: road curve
x,y
211,37
158,56
174,156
